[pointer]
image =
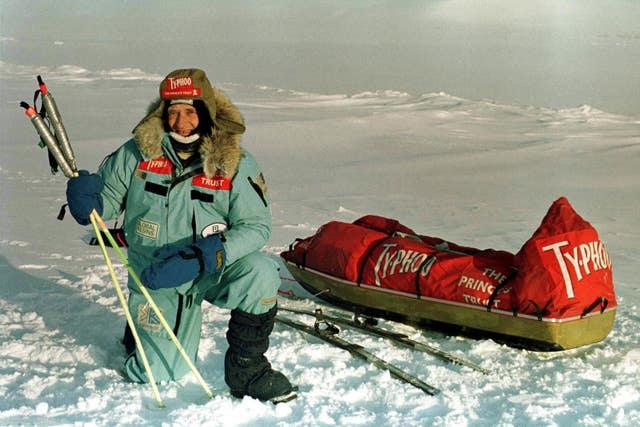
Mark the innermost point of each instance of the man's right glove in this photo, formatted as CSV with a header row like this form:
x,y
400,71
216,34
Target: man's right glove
x,y
83,196
181,264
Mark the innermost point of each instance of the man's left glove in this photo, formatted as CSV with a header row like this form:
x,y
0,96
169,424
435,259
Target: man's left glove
x,y
181,264
83,196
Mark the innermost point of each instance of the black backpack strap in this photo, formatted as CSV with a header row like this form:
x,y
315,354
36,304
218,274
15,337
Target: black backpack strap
x,y
599,301
501,286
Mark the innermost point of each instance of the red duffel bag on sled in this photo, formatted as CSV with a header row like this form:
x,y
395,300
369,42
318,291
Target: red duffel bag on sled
x,y
555,293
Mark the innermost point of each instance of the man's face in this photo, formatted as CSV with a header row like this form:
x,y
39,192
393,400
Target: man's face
x,y
182,119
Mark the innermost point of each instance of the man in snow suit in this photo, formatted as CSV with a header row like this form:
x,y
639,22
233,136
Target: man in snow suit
x,y
196,214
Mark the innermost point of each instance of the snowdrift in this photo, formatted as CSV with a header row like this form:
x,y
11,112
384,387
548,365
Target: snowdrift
x,y
556,293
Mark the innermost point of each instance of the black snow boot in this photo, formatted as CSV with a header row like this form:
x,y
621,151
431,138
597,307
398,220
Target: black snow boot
x,y
247,371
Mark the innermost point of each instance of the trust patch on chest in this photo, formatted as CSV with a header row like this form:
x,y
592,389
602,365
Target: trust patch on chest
x,y
217,182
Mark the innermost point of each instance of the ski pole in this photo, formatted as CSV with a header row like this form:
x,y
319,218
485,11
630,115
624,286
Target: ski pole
x,y
359,351
152,303
49,140
56,121
127,313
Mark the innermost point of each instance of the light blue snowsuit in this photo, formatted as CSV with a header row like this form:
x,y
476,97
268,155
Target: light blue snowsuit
x,y
165,203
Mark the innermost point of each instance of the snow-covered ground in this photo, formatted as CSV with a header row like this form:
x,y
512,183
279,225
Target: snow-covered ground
x,y
474,172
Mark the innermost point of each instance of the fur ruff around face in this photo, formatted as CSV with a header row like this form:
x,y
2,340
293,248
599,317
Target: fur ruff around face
x,y
221,151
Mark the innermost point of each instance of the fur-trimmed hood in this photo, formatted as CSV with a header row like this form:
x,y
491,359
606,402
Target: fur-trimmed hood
x,y
221,151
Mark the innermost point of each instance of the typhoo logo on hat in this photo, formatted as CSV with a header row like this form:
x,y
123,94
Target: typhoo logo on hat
x,y
179,87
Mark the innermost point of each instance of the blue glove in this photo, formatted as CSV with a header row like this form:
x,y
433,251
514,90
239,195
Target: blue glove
x,y
83,196
181,264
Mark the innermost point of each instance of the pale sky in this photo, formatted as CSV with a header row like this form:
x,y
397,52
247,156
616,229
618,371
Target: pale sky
x,y
537,52
353,21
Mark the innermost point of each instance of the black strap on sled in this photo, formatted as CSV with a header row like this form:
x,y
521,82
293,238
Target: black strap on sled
x,y
428,262
498,288
599,301
538,310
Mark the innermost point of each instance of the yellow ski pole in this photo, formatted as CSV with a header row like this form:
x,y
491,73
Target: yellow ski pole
x,y
152,303
127,313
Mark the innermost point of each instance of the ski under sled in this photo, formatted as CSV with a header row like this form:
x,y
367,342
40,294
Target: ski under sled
x,y
368,326
556,293
329,336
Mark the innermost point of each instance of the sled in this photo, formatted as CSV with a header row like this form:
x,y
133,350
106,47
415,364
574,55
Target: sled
x,y
556,293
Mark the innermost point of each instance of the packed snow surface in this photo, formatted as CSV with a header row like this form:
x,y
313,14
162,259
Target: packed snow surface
x,y
474,172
